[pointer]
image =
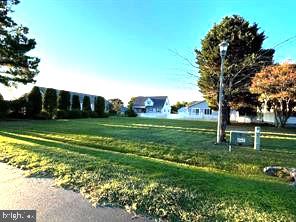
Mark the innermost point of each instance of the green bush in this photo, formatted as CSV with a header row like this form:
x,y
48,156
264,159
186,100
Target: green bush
x,y
85,114
50,101
74,114
86,104
100,106
93,115
131,113
64,100
75,103
62,114
43,115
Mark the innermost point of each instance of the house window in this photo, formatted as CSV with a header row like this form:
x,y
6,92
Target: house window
x,y
197,111
149,109
208,112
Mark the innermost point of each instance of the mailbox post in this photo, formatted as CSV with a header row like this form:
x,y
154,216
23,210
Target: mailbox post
x,y
257,138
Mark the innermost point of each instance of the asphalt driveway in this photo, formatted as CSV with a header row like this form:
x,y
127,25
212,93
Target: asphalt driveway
x,y
52,203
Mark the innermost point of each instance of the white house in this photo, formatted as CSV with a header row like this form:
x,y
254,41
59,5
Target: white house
x,y
152,106
198,110
268,116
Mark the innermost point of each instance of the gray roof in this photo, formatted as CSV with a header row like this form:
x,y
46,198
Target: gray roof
x,y
158,101
195,103
81,95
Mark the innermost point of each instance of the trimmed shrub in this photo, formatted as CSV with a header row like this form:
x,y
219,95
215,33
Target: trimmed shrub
x,y
34,105
75,103
100,106
50,101
43,115
74,114
64,100
86,104
62,114
85,114
93,115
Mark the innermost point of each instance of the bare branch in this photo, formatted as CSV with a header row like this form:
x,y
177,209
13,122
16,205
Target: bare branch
x,y
175,52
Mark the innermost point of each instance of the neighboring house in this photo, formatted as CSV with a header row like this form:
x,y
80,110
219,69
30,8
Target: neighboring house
x,y
152,106
81,95
197,110
269,117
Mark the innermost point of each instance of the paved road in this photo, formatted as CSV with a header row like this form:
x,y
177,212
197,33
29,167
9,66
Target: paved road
x,y
51,203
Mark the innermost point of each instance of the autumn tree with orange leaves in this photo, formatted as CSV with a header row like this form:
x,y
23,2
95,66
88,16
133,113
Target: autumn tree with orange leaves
x,y
276,86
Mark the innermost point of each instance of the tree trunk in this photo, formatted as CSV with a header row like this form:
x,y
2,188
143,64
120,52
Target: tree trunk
x,y
228,115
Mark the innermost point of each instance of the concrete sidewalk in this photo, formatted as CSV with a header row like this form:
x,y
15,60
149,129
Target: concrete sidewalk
x,y
51,203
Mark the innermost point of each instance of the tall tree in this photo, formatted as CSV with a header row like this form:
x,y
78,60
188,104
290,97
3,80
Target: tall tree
x,y
276,86
15,65
116,105
34,102
75,103
50,101
244,58
100,106
86,104
130,110
64,100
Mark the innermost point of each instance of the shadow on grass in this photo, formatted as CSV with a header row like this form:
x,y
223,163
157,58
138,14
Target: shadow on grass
x,y
264,195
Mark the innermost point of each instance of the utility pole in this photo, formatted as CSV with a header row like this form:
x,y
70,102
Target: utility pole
x,y
223,49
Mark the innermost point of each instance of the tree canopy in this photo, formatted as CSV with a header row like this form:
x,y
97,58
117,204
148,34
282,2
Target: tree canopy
x,y
15,65
245,56
130,110
116,105
178,105
276,85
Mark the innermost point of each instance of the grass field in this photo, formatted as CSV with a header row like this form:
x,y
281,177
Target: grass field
x,y
167,169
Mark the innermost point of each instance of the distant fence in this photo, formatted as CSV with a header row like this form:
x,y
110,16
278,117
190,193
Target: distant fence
x,y
178,116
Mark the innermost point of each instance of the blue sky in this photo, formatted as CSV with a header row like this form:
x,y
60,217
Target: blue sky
x,y
123,48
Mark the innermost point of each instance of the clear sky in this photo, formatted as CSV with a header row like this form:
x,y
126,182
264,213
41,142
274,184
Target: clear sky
x,y
124,48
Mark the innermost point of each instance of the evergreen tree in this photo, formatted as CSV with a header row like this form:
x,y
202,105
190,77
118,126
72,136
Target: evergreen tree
x,y
3,107
16,65
34,106
50,101
64,100
244,58
75,103
86,104
100,106
130,110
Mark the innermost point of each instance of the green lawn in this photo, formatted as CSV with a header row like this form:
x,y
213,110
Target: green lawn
x,y
162,168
